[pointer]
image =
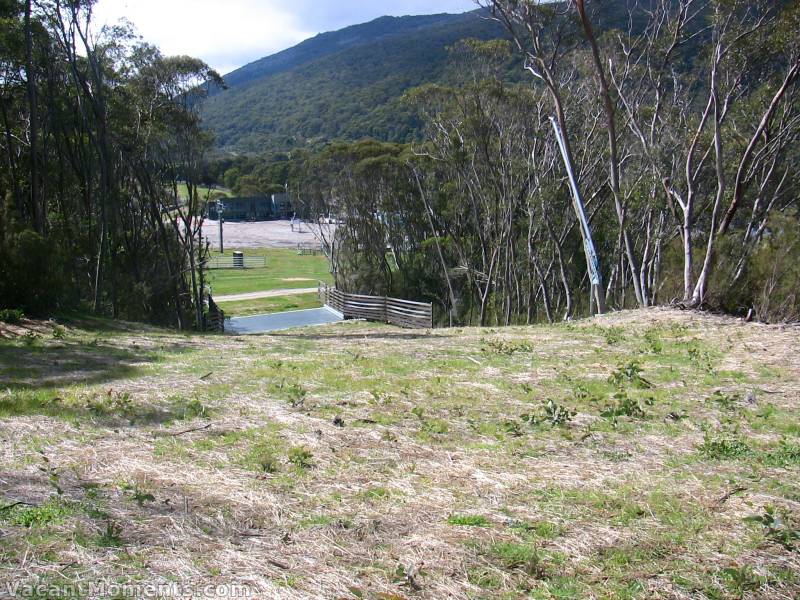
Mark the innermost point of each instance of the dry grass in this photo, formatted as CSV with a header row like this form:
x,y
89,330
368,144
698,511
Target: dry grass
x,y
356,460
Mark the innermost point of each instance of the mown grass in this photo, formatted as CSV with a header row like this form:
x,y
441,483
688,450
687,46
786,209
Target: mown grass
x,y
270,305
617,458
285,270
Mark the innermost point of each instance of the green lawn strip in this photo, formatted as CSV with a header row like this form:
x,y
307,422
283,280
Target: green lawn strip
x,y
285,270
270,305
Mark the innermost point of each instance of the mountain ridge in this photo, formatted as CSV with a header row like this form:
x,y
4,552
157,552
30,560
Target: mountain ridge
x,y
346,84
349,84
337,40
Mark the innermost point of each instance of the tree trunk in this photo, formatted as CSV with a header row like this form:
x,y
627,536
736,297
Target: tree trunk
x,y
36,207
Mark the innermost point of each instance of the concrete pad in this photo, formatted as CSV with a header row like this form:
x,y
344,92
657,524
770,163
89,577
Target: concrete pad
x,y
281,321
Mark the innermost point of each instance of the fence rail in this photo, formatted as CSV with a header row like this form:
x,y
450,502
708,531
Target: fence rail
x,y
215,317
227,262
404,313
309,250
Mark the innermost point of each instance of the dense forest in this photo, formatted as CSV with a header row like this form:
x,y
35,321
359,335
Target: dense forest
x,y
97,131
682,130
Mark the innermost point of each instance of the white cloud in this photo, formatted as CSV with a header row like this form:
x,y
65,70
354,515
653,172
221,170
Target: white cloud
x,y
224,34
230,33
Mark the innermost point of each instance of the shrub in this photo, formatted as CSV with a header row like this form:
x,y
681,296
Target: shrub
x,y
506,348
624,406
630,373
515,556
268,462
551,413
777,527
786,454
301,457
12,316
653,339
614,335
725,401
30,277
722,448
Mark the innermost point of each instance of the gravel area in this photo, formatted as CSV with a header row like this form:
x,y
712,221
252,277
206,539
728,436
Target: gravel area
x,y
263,234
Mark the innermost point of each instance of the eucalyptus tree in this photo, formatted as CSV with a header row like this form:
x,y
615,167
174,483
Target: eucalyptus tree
x,y
482,139
544,35
97,129
709,89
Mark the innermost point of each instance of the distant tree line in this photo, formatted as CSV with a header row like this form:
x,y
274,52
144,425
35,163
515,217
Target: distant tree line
x,y
98,130
683,133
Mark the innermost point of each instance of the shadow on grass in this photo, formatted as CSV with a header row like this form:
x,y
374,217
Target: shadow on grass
x,y
38,367
110,408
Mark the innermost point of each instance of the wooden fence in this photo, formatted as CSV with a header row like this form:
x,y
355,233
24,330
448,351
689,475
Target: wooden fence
x,y
227,262
308,250
215,317
404,313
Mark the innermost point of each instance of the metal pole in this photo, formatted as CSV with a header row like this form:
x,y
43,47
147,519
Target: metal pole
x,y
220,210
592,261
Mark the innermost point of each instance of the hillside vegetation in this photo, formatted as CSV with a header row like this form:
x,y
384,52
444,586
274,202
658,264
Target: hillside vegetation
x,y
343,85
349,84
647,454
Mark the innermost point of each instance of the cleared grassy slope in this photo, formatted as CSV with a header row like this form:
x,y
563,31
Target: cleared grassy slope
x,y
366,461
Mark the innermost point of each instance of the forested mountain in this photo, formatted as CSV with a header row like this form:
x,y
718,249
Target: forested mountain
x,y
348,84
342,85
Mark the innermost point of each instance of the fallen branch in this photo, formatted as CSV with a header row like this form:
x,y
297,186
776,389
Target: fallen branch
x,y
192,430
278,564
730,494
10,506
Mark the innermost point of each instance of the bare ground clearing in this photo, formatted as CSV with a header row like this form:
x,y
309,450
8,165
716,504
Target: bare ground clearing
x,y
364,461
264,234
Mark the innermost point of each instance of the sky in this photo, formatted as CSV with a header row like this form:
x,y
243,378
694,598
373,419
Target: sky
x,y
228,34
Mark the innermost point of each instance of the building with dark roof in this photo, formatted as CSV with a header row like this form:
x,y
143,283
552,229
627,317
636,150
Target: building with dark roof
x,y
256,208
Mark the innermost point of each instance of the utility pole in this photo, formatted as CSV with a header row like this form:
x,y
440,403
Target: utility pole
x,y
220,212
592,261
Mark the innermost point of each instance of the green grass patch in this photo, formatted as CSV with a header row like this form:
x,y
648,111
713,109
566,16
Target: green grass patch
x,y
285,270
52,512
204,192
723,447
263,306
469,521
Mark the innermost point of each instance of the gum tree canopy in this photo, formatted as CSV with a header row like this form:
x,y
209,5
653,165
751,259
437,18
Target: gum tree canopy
x,y
97,131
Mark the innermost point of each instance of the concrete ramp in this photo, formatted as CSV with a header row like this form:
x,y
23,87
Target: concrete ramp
x,y
281,321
